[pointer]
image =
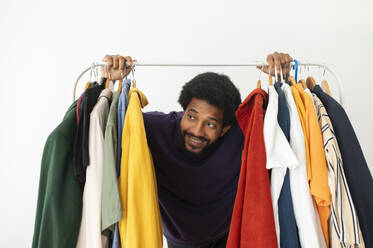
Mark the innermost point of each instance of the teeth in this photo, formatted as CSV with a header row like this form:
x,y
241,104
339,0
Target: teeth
x,y
196,140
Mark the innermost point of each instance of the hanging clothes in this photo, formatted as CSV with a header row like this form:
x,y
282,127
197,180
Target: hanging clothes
x,y
307,219
279,156
81,150
122,109
344,225
141,223
57,219
111,211
121,113
90,235
319,187
356,170
289,236
302,116
253,185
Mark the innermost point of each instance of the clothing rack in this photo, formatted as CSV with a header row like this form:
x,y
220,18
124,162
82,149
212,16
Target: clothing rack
x,y
326,68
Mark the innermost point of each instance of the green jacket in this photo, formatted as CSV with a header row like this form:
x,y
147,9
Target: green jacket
x,y
59,207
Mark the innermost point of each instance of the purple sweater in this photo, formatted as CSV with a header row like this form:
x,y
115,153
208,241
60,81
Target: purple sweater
x,y
196,195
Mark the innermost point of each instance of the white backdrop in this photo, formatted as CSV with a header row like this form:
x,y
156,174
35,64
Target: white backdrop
x,y
44,45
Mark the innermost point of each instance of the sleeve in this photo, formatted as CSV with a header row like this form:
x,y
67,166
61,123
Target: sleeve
x,y
59,205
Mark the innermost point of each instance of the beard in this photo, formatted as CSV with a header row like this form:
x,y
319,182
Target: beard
x,y
206,150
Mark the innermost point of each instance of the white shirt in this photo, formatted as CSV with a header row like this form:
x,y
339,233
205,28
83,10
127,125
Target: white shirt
x,y
90,229
279,154
306,216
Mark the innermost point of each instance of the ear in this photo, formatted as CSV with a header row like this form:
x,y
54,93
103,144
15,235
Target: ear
x,y
225,130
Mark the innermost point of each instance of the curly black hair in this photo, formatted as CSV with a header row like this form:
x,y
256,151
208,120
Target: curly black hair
x,y
216,89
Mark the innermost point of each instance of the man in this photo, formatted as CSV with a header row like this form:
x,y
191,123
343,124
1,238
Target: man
x,y
197,155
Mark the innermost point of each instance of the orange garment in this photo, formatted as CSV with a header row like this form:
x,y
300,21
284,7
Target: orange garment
x,y
302,116
319,187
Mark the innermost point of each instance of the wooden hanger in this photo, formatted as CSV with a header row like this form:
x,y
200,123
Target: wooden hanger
x,y
259,84
325,86
292,81
302,81
304,84
87,85
311,83
107,83
120,85
133,75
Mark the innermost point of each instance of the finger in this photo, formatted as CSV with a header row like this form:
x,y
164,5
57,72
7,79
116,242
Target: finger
x,y
287,70
288,59
271,63
283,64
109,60
277,61
105,69
121,63
116,62
128,60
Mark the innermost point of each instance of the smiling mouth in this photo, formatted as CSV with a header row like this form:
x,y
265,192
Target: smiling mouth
x,y
195,142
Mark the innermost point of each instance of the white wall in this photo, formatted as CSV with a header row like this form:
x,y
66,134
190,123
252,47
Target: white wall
x,y
44,45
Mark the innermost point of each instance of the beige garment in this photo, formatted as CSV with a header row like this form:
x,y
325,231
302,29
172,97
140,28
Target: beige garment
x,y
344,229
90,229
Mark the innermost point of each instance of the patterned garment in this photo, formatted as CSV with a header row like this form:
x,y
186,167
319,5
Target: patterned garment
x,y
344,229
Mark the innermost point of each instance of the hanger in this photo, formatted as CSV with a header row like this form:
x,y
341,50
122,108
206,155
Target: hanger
x,y
108,77
270,82
107,83
95,71
275,76
87,85
120,83
133,74
302,81
292,81
324,83
311,83
304,84
296,67
281,76
325,86
259,83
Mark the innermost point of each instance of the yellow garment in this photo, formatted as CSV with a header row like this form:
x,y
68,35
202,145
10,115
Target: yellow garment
x,y
141,223
319,186
302,117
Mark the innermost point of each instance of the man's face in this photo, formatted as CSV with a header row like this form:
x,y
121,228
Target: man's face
x,y
201,125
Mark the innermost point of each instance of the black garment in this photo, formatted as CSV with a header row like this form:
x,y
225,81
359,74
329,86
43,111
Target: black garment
x,y
355,167
81,154
220,243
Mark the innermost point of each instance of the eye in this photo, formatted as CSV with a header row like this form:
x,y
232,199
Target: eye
x,y
211,125
191,117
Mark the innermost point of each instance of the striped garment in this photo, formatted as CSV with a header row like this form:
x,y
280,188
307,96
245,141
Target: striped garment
x,y
344,229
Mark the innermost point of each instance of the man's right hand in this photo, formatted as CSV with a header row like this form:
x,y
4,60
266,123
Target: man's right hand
x,y
116,64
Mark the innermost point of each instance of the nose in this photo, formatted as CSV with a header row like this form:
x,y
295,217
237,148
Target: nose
x,y
197,130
